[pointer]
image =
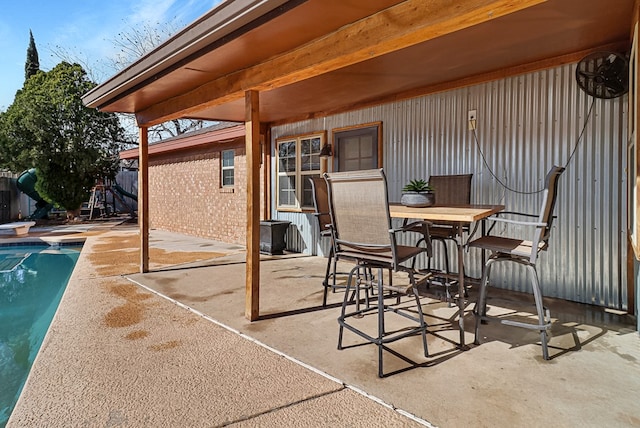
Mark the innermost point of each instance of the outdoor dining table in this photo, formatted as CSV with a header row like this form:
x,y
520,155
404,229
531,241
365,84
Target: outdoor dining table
x,y
458,216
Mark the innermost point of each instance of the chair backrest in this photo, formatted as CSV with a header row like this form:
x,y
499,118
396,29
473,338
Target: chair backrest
x,y
321,202
549,196
452,189
359,207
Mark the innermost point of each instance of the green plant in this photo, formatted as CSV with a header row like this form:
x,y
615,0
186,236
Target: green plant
x,y
417,186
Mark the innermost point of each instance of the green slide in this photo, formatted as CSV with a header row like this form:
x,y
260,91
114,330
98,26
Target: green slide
x,y
27,184
123,192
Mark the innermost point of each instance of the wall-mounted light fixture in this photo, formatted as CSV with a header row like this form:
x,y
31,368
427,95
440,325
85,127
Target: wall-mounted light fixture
x,y
326,151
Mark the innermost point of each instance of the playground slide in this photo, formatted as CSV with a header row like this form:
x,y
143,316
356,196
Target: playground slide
x,y
27,184
123,192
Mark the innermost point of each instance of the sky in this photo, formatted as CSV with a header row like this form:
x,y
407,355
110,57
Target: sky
x,y
84,28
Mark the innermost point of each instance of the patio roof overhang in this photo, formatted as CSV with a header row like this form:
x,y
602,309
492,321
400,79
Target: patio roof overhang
x,y
314,57
276,61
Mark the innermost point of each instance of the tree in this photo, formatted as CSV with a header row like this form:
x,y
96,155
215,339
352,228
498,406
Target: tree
x,y
70,145
32,64
131,44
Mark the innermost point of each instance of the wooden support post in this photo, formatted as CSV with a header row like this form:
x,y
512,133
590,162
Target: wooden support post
x,y
252,142
143,197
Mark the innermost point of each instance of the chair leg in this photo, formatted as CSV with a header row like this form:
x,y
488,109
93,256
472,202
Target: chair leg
x,y
382,337
381,313
380,322
542,321
346,299
367,281
335,271
423,324
447,284
446,256
325,284
480,309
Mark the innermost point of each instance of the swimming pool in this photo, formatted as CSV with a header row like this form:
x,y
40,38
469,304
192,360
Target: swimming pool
x,y
32,281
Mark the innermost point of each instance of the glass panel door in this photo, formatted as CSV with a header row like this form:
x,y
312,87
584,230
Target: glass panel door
x,y
356,149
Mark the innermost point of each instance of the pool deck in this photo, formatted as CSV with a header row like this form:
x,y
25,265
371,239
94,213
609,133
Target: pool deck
x,y
172,348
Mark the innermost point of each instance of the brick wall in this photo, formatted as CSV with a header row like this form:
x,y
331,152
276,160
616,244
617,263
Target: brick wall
x,y
186,194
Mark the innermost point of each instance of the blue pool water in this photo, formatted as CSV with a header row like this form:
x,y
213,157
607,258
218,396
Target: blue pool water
x,y
32,281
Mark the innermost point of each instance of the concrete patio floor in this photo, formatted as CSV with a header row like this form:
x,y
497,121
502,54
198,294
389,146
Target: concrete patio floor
x,y
170,364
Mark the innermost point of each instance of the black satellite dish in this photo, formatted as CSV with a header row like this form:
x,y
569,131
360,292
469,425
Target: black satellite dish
x,y
603,74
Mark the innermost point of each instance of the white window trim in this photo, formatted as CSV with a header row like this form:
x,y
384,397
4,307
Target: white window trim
x,y
300,175
226,168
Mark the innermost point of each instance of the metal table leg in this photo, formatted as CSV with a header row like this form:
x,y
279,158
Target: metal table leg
x,y
461,289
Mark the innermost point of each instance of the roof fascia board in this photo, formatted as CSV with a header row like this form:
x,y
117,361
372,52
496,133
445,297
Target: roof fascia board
x,y
220,22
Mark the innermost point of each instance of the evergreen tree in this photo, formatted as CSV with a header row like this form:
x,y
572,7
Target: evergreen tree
x,y
32,64
70,145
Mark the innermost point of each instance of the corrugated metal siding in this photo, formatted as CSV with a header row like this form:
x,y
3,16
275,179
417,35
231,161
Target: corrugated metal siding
x,y
525,125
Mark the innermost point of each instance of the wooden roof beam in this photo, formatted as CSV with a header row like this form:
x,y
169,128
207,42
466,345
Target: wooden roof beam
x,y
400,26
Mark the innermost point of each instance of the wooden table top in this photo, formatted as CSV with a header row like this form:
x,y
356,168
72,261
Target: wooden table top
x,y
459,213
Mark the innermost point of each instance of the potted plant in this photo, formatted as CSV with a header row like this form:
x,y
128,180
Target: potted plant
x,y
418,193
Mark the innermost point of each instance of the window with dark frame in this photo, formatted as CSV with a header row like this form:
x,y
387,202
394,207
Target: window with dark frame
x,y
357,148
228,168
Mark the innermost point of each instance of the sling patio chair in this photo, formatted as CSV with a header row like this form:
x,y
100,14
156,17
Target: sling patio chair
x,y
363,233
325,231
449,190
524,252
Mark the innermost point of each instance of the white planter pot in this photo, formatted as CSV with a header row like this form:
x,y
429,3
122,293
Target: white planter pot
x,y
418,199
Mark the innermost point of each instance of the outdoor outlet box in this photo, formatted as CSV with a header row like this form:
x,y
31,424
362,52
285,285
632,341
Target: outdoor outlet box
x,y
472,119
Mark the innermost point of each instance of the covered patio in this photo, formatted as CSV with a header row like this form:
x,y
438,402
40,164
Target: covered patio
x,y
283,67
272,63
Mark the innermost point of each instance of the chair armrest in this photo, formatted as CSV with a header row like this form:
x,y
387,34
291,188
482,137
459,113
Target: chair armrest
x,y
516,214
517,222
497,218
323,227
423,226
513,213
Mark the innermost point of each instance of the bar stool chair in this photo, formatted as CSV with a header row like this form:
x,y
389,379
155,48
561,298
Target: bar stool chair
x,y
363,233
524,252
450,190
325,230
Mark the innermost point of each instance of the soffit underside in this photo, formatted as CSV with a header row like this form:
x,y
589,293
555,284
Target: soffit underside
x,y
548,30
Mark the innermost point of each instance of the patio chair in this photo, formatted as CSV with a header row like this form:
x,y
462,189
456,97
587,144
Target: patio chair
x,y
325,227
450,190
524,252
363,233
325,230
